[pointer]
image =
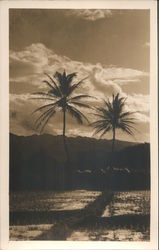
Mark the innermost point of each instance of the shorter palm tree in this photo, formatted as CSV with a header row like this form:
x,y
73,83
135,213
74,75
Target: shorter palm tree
x,y
111,117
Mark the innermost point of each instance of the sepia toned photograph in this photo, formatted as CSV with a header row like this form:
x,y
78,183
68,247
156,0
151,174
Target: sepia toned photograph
x,y
80,125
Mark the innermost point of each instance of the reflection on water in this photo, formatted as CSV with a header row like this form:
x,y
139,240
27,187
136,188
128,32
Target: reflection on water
x,y
51,201
125,203
125,218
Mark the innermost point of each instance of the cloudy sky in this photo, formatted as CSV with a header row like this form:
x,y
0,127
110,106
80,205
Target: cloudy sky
x,y
111,47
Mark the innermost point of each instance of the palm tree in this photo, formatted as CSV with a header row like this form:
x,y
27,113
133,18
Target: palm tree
x,y
60,97
111,117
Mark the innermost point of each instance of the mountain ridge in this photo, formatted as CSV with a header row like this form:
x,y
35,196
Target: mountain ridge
x,y
52,146
40,161
77,137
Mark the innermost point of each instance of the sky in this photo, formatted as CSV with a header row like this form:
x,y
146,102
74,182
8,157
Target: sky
x,y
110,47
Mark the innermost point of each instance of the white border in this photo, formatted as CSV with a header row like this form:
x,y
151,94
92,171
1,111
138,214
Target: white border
x,y
4,126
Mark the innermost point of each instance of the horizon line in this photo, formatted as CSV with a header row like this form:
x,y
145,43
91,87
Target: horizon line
x,y
35,134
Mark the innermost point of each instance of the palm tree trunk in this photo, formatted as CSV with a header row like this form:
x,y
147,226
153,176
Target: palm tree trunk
x,y
113,148
64,137
68,172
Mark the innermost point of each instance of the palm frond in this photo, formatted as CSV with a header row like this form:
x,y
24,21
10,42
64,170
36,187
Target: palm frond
x,y
77,114
83,105
47,119
53,90
128,121
43,94
70,77
75,86
40,119
43,107
42,98
126,114
99,123
102,128
105,131
129,125
82,115
48,84
109,106
64,83
78,97
55,85
46,106
126,128
106,113
98,115
112,116
59,77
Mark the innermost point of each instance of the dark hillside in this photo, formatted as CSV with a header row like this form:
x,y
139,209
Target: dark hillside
x,y
38,162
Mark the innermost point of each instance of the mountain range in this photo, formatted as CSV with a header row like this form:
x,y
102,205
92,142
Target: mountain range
x,y
53,145
39,162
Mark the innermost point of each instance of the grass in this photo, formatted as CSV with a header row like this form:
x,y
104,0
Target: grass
x,y
80,215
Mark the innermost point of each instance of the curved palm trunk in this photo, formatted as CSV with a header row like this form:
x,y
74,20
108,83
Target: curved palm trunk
x,y
68,173
64,137
113,148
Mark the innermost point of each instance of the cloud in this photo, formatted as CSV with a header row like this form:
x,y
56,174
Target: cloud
x,y
27,74
21,122
19,98
36,59
117,73
142,117
90,14
32,59
126,81
138,102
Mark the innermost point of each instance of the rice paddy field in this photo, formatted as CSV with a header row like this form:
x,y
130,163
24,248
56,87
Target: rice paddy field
x,y
80,215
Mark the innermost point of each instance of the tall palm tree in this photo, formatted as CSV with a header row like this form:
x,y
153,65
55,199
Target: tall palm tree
x,y
111,117
60,97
